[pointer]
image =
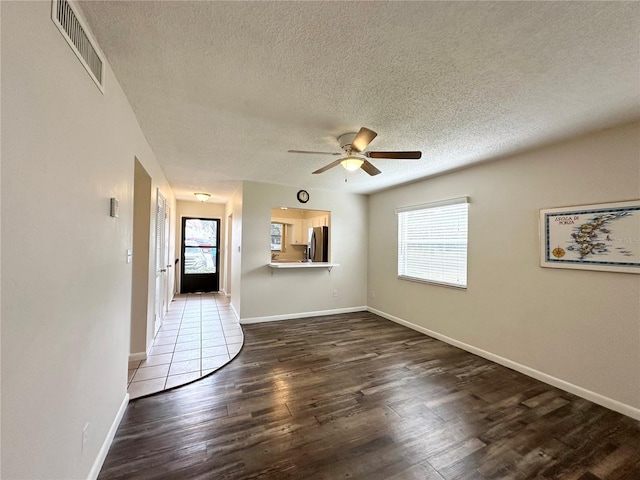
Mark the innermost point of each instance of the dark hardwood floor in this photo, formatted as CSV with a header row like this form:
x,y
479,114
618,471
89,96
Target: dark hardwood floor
x,y
357,396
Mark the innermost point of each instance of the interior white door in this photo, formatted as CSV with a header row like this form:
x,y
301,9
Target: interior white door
x,y
161,261
168,295
228,252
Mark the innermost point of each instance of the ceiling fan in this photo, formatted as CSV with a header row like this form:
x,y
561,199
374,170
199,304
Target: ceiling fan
x,y
353,145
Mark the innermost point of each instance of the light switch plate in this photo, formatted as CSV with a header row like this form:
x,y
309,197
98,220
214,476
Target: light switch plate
x,y
113,209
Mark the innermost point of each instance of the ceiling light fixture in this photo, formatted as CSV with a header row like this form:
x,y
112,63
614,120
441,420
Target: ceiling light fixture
x,y
352,163
203,197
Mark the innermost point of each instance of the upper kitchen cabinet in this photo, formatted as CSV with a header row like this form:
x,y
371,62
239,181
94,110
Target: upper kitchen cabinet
x,y
298,222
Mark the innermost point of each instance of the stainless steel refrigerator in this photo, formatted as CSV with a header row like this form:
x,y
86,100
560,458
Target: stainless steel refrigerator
x,y
319,244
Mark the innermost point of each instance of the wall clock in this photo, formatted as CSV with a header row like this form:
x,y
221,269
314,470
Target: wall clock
x,y
303,196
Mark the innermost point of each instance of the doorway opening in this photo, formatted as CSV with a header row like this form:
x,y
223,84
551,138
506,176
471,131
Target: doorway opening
x,y
141,329
200,266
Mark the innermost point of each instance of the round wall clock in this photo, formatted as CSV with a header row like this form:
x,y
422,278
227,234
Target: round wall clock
x,y
303,196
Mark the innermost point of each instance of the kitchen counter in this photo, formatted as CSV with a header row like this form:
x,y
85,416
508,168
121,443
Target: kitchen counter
x,y
279,265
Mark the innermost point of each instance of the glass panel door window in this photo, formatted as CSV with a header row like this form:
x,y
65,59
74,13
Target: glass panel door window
x,y
200,247
200,269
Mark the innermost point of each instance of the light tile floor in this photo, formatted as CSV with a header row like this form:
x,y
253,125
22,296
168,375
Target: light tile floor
x,y
199,334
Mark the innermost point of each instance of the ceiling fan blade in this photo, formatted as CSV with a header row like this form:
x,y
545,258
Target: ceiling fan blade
x,y
327,167
369,168
395,155
315,153
363,138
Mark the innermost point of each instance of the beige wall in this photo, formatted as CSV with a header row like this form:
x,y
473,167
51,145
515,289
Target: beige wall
x,y
270,295
579,327
66,295
66,150
200,210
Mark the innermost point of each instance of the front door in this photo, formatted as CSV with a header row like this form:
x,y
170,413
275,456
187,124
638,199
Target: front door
x,y
200,262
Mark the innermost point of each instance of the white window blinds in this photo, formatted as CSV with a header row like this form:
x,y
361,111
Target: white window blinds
x,y
277,232
432,242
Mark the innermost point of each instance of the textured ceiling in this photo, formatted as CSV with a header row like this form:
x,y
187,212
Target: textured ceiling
x,y
223,89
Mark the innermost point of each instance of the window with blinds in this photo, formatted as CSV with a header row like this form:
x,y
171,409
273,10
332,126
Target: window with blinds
x,y
277,233
432,242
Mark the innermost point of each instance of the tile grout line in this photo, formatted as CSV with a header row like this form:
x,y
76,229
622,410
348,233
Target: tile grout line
x,y
209,302
140,362
173,352
200,359
221,327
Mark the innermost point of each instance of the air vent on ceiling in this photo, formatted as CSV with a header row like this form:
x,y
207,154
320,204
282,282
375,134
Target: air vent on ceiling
x,y
76,35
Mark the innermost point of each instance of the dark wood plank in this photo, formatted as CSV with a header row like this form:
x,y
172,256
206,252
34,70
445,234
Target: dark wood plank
x,y
357,396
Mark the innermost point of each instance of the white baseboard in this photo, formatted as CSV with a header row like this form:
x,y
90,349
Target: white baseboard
x,y
134,357
289,316
234,311
594,397
102,454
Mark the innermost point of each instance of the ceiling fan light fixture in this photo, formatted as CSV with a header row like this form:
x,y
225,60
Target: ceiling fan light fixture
x,y
354,146
203,197
352,163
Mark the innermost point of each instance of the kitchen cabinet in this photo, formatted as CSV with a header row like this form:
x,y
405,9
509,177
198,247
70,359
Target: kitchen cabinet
x,y
300,229
320,221
325,220
297,229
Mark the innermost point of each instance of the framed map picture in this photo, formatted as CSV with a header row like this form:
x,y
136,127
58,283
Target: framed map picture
x,y
592,237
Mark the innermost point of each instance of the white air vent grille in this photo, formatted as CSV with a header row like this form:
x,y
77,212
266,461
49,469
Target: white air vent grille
x,y
76,36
